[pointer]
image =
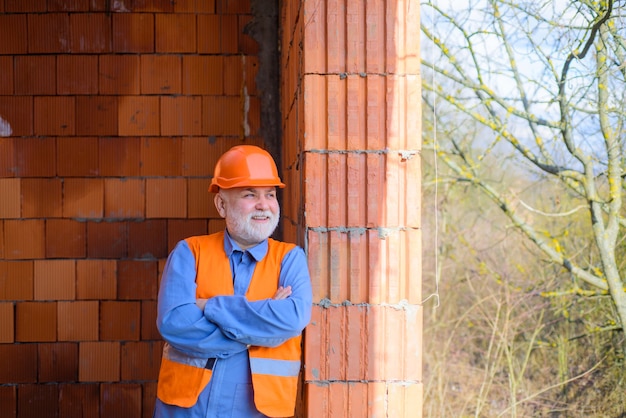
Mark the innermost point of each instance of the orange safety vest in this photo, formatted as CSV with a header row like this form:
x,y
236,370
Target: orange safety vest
x,y
274,370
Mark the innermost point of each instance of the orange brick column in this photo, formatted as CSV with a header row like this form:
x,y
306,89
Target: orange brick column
x,y
351,103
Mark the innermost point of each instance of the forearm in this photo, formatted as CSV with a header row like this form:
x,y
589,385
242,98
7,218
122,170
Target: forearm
x,y
187,330
265,323
180,322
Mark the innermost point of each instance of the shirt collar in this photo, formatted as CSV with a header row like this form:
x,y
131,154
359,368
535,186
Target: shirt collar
x,y
257,252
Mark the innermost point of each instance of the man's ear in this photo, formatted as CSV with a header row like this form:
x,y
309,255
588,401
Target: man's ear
x,y
220,204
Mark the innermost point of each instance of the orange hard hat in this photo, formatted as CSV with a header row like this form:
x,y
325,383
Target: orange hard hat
x,y
245,166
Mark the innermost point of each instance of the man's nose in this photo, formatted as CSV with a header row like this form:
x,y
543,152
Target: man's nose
x,y
262,203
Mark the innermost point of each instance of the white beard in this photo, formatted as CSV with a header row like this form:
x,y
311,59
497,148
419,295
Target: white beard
x,y
244,229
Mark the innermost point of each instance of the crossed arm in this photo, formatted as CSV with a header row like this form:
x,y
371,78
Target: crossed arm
x,y
226,325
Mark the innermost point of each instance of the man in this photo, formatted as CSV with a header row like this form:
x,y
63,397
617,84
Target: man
x,y
232,305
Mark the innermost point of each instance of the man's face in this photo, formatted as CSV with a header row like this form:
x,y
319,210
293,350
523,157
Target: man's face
x,y
251,213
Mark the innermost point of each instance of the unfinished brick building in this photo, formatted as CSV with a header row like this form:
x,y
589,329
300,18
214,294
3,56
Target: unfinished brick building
x,y
112,116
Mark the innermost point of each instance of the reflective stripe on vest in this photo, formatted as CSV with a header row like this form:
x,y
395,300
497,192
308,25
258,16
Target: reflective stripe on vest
x,y
282,368
173,354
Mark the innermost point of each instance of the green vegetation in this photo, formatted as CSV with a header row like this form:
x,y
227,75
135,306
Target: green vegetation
x,y
524,164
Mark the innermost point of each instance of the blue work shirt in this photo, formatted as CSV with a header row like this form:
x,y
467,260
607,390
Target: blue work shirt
x,y
228,325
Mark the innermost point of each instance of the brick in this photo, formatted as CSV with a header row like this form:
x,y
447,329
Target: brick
x,y
17,111
83,198
35,321
18,363
247,45
200,154
336,190
316,125
25,6
32,399
161,74
222,115
376,184
166,198
13,32
16,280
55,279
138,116
78,321
336,358
66,238
96,115
149,396
124,198
199,200
7,322
96,279
35,74
24,239
99,362
6,69
90,32
252,125
215,225
181,115
68,5
77,157
10,198
41,198
141,360
195,6
137,279
179,229
161,157
54,115
79,400
153,6
120,320
209,34
8,401
175,33
35,157
48,33
318,397
315,349
107,239
133,32
77,74
119,74
120,400
147,239
239,71
149,329
203,74
120,157
58,362
233,7
7,157
230,34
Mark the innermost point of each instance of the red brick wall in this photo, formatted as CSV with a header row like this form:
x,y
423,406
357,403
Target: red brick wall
x,y
113,115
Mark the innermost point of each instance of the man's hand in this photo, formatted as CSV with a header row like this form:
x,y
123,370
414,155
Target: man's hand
x,y
200,303
282,293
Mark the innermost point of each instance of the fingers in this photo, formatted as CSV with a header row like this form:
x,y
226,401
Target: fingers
x,y
200,303
282,293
